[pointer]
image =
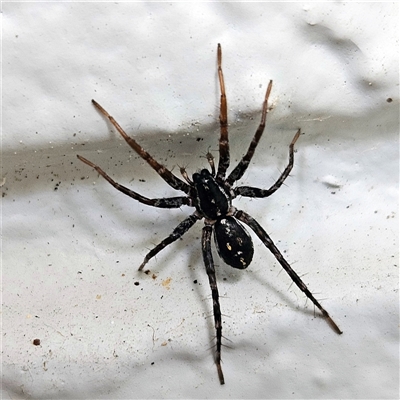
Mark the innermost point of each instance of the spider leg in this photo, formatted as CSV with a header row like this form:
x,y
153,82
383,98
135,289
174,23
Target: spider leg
x,y
167,175
241,168
224,157
249,191
209,264
172,202
177,233
264,237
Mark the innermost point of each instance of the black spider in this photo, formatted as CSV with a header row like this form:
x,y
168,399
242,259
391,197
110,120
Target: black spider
x,y
211,194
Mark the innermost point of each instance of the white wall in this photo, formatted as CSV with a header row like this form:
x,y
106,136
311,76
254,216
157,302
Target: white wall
x,y
72,244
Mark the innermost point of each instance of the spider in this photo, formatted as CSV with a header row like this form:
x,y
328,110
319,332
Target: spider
x,y
211,194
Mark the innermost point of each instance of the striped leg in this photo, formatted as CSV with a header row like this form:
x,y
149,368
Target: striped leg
x,y
264,237
224,157
167,175
209,264
177,233
249,191
172,202
241,168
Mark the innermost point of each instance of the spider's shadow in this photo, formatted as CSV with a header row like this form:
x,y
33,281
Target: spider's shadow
x,y
228,278
287,299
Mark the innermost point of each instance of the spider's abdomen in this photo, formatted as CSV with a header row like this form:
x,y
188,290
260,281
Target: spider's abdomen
x,y
233,243
211,200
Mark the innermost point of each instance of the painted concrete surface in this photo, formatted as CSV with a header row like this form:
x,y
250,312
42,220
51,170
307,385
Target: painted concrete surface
x,y
72,244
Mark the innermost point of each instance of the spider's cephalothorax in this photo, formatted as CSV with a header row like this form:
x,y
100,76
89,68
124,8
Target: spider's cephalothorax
x,y
211,194
210,198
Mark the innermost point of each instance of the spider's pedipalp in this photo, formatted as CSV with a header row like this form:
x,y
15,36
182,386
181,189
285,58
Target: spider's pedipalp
x,y
185,175
210,159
